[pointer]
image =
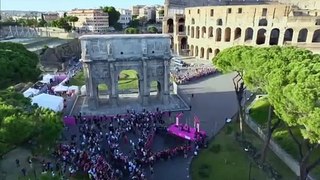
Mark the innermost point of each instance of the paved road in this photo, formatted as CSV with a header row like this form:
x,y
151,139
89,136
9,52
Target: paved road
x,y
214,100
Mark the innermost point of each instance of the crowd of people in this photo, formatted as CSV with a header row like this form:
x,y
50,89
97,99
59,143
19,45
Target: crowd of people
x,y
192,73
116,147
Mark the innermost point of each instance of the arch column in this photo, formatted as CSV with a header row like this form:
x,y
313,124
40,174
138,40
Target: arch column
x,y
281,37
114,95
166,89
254,37
295,37
267,37
90,86
145,90
310,36
243,37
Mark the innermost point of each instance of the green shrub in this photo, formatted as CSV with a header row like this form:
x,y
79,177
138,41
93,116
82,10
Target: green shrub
x,y
204,171
228,130
216,148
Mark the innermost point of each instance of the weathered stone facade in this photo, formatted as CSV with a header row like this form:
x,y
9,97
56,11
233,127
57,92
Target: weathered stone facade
x,y
204,31
105,56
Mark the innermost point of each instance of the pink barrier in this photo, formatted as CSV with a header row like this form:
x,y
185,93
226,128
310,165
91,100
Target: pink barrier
x,y
183,132
70,121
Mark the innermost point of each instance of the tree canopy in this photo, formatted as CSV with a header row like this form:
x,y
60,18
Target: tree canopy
x,y
290,76
131,31
114,15
152,29
17,64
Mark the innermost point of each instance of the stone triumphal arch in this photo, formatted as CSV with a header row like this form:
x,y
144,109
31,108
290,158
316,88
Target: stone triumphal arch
x,y
105,56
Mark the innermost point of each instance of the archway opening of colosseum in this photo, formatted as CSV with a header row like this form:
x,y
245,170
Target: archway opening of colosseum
x,y
181,28
171,42
209,53
181,20
218,34
196,51
316,36
183,43
219,22
170,25
193,21
216,52
288,35
204,32
202,52
263,22
249,34
237,33
188,33
191,50
261,36
302,37
197,32
210,32
192,32
227,35
274,36
317,22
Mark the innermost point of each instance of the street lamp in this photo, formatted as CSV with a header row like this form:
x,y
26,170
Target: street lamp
x,y
239,89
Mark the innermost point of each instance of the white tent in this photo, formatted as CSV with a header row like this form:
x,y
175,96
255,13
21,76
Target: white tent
x,y
46,78
60,88
74,88
48,101
83,90
30,92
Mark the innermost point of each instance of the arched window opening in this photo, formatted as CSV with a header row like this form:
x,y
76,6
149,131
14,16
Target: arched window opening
x,y
209,53
261,36
218,34
192,32
170,25
192,21
184,43
249,34
219,22
202,53
237,33
288,35
196,52
263,22
181,20
316,36
216,52
227,35
210,33
181,28
204,32
303,34
197,32
274,36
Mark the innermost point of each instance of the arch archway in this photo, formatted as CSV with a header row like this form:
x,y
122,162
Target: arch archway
x,y
316,36
188,33
181,20
172,41
196,51
237,33
103,93
191,50
218,34
204,32
192,21
202,52
129,80
181,28
216,52
219,22
261,36
192,32
303,34
227,34
184,43
170,25
155,90
210,32
274,36
248,34
288,35
209,53
197,32
263,22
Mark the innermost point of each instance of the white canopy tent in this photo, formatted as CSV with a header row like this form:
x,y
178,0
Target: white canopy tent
x,y
30,92
74,88
46,78
60,88
83,90
48,101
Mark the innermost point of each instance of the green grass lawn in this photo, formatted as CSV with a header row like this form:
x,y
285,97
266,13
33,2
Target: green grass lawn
x,y
231,162
259,113
128,80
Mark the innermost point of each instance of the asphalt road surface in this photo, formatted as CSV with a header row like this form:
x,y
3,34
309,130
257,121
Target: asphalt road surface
x,y
214,100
